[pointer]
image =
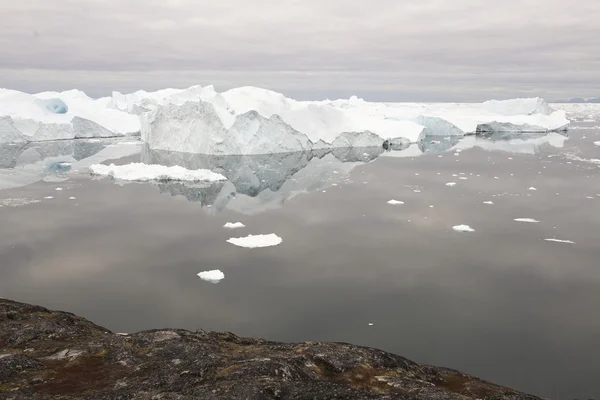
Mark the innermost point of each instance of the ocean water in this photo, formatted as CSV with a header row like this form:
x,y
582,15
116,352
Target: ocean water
x,y
502,303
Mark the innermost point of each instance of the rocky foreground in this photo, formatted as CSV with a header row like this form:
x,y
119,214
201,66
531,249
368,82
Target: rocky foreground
x,y
52,354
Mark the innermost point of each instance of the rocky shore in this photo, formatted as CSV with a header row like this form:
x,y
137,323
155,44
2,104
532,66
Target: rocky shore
x,y
48,354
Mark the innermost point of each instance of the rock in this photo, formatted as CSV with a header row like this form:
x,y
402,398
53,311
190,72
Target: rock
x,y
44,354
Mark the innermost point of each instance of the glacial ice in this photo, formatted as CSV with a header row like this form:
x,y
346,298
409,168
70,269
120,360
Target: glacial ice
x,y
250,120
59,116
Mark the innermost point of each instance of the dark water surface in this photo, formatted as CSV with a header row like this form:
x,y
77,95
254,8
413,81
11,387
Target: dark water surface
x,y
500,303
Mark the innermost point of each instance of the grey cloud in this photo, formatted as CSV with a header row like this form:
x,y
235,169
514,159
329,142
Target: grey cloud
x,y
428,49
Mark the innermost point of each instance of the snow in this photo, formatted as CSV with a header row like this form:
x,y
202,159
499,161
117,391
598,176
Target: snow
x,y
213,276
154,172
234,225
255,241
526,220
560,241
488,202
532,189
395,202
463,228
451,184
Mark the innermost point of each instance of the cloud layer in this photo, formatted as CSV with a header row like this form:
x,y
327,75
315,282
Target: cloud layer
x,y
383,49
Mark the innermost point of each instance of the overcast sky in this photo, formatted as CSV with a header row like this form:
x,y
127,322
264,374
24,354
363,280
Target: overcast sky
x,y
464,50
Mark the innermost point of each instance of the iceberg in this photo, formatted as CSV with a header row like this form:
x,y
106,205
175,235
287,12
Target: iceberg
x,y
59,116
213,276
256,241
250,120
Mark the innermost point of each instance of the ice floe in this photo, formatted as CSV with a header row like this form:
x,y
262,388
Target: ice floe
x,y
559,241
463,228
255,241
526,220
234,225
154,172
395,202
213,276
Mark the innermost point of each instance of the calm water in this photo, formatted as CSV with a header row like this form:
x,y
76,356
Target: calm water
x,y
501,303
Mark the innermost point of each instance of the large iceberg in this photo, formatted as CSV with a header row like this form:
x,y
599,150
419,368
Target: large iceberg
x,y
59,116
250,120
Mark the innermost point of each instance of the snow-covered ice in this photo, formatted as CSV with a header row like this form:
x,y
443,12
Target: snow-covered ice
x,y
526,220
48,197
597,143
58,116
254,241
395,202
154,172
488,202
451,184
234,225
532,189
213,276
463,228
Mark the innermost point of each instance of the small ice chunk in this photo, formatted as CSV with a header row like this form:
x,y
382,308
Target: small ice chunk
x,y
72,198
559,241
371,324
535,221
597,143
463,228
254,241
451,184
496,177
234,225
214,276
395,202
464,178
49,197
488,202
58,189
532,189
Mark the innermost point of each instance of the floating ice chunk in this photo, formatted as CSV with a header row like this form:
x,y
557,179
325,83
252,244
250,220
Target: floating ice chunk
x,y
371,324
18,202
71,198
234,225
463,228
49,197
214,276
526,220
395,202
532,189
464,178
560,241
58,189
488,202
451,184
597,143
154,172
254,241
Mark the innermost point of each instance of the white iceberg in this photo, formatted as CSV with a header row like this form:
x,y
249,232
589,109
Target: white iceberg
x,y
214,276
150,172
255,241
59,116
